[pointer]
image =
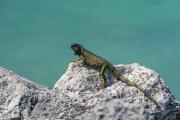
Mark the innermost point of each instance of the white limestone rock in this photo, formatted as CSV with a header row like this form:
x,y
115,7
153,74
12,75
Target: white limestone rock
x,y
16,95
77,95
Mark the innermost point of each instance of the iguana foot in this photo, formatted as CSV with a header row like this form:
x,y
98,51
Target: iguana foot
x,y
79,62
102,82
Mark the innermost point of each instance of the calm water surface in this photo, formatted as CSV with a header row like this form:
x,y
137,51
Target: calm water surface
x,y
35,35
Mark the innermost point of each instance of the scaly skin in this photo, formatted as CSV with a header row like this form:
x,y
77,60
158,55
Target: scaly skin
x,y
98,63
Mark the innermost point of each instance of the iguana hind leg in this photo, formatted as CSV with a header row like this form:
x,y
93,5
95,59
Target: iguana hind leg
x,y
103,80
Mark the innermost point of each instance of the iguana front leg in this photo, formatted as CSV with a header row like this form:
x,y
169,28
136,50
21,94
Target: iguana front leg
x,y
103,80
79,61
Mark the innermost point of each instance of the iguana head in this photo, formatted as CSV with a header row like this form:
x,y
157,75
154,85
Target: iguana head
x,y
77,48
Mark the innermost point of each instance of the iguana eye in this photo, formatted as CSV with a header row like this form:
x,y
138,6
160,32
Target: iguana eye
x,y
76,48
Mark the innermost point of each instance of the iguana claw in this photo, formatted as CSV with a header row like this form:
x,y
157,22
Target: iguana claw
x,y
102,81
79,62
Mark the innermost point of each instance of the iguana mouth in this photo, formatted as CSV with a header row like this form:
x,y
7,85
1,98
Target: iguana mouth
x,y
75,53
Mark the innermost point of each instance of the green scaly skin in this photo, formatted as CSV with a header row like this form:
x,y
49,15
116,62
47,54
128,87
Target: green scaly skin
x,y
89,59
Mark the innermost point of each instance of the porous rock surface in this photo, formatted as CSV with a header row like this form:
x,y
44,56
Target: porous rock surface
x,y
120,110
18,96
77,96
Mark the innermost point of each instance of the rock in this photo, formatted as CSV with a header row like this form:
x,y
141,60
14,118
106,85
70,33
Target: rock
x,y
76,96
78,92
120,110
16,95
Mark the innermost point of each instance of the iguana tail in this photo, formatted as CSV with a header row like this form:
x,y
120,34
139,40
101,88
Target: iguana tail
x,y
130,83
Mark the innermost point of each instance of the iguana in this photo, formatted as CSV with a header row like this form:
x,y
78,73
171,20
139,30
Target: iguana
x,y
98,63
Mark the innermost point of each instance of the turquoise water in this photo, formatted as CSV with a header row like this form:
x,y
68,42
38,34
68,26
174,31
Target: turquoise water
x,y
35,35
